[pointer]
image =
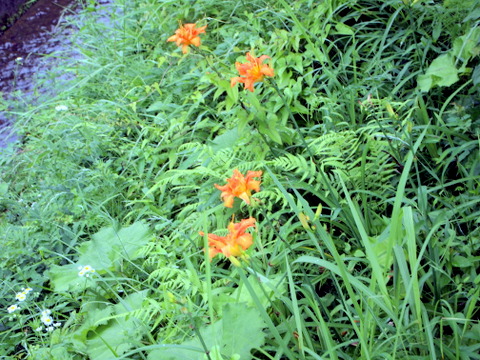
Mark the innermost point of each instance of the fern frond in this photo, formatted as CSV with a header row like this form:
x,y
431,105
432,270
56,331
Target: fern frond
x,y
272,197
294,163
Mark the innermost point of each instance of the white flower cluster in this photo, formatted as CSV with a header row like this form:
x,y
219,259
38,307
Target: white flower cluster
x,y
85,270
48,321
20,296
61,108
45,315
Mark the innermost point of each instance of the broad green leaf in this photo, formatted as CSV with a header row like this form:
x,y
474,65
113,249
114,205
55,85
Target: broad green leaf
x,y
65,278
461,261
104,251
466,46
55,352
242,330
109,246
94,316
271,288
110,332
226,140
441,72
271,128
234,335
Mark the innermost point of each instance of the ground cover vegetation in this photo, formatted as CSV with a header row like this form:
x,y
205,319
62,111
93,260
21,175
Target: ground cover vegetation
x,y
254,179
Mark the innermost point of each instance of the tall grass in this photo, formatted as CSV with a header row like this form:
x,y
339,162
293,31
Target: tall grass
x,y
366,240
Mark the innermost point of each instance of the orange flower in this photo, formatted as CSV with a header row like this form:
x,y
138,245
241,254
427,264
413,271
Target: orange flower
x,y
239,186
187,35
252,72
235,243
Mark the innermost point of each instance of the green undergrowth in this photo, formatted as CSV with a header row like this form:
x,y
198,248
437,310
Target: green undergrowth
x,y
366,244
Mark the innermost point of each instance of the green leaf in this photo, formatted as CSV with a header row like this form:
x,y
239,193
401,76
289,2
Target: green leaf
x,y
243,118
461,261
44,353
226,140
441,72
108,333
271,288
65,278
381,248
466,46
242,330
234,335
160,105
476,75
270,128
343,29
232,93
95,315
261,112
473,15
109,246
3,188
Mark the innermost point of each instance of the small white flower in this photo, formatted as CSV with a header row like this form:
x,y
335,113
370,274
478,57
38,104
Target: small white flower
x,y
47,320
46,312
61,108
40,328
86,270
18,59
26,291
57,324
20,296
50,328
12,308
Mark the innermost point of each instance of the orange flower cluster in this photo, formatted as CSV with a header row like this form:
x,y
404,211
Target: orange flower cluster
x,y
252,72
235,243
239,186
187,35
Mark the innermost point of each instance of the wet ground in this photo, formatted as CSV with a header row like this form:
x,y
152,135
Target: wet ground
x,y
37,41
34,35
25,48
9,10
